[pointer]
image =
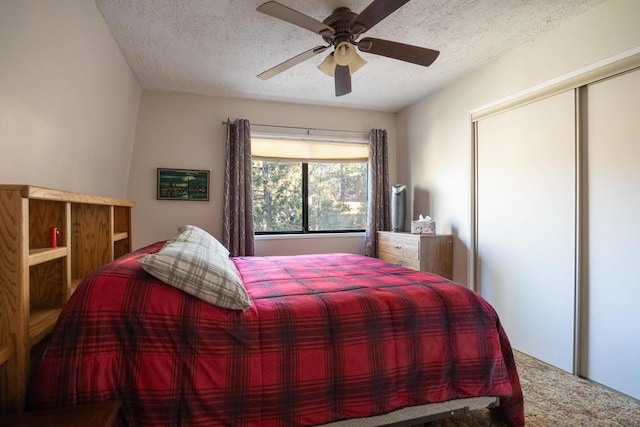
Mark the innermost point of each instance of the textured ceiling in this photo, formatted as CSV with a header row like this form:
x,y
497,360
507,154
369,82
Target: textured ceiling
x,y
217,47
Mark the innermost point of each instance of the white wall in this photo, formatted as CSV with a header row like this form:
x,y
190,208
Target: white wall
x,y
185,131
68,99
434,155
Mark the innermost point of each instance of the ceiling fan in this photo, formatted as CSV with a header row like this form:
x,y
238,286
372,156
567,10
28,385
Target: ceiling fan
x,y
341,30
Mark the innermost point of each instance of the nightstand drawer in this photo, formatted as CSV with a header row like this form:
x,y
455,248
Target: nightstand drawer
x,y
396,247
399,260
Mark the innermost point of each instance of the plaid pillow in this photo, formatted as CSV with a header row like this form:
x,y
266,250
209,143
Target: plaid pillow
x,y
191,233
198,271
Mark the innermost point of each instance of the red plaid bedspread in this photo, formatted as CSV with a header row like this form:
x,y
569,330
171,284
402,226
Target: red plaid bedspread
x,y
327,337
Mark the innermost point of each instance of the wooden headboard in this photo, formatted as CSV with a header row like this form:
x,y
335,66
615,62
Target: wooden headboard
x,y
38,276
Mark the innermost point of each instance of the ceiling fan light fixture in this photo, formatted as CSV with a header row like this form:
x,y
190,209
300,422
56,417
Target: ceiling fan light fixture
x,y
345,53
328,66
357,63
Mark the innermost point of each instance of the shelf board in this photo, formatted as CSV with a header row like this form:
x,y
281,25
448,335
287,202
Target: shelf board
x,y
39,256
6,353
120,236
43,193
41,323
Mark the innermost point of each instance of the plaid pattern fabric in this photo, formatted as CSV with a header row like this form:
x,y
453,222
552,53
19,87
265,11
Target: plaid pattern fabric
x,y
193,234
199,271
326,338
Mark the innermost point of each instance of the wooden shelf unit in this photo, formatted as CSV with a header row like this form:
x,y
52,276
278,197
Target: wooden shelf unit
x,y
35,279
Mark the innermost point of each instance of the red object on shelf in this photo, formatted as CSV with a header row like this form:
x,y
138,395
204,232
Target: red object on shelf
x,y
54,235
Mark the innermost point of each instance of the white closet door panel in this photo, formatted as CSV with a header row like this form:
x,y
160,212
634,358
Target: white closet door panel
x,y
613,355
526,224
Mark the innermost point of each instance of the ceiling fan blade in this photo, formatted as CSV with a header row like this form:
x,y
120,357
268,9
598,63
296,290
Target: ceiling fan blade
x,y
374,13
400,51
291,62
343,80
277,10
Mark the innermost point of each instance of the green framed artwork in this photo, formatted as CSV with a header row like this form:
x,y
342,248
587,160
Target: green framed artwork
x,y
183,184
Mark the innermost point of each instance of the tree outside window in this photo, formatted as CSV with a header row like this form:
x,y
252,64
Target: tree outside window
x,y
307,197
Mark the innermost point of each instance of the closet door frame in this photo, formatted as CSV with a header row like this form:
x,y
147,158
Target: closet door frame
x,y
577,81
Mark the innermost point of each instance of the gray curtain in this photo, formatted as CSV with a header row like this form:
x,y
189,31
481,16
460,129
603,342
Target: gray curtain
x,y
378,216
237,223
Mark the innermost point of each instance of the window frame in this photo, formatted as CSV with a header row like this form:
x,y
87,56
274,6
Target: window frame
x,y
305,188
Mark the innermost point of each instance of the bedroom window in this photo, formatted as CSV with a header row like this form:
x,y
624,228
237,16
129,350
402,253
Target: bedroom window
x,y
308,186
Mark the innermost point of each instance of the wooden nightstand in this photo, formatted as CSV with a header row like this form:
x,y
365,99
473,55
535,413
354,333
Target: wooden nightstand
x,y
418,251
93,414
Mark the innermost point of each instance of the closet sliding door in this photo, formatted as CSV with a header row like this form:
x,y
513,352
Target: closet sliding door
x,y
612,355
525,224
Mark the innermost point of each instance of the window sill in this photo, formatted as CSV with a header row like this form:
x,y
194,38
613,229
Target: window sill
x,y
307,236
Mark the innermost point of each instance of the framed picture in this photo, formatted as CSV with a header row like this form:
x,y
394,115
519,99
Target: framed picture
x,y
183,184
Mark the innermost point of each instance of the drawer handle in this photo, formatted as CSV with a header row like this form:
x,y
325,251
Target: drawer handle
x,y
398,247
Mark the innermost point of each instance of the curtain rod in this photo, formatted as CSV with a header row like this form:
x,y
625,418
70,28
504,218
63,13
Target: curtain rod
x,y
228,122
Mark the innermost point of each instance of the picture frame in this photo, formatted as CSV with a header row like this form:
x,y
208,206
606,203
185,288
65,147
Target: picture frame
x,y
183,184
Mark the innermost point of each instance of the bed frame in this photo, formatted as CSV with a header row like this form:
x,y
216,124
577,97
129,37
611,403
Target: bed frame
x,y
420,414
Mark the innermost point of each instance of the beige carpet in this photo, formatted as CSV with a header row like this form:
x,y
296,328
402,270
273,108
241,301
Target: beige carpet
x,y
553,397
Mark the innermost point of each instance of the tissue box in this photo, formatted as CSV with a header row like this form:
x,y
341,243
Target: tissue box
x,y
423,227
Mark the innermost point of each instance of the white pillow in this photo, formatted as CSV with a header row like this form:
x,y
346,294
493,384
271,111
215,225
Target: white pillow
x,y
191,233
198,271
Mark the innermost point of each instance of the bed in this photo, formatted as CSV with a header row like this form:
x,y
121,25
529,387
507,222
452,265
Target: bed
x,y
324,339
